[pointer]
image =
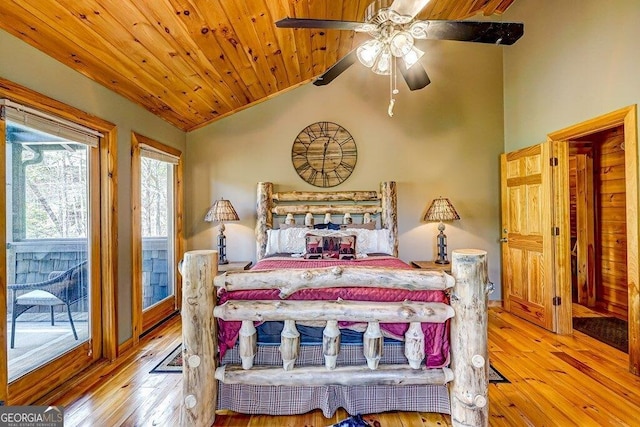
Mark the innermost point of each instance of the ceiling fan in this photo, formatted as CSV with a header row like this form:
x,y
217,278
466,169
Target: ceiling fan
x,y
394,30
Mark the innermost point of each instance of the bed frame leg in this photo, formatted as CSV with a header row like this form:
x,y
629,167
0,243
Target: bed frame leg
x,y
289,344
414,345
372,341
248,343
469,352
199,339
331,344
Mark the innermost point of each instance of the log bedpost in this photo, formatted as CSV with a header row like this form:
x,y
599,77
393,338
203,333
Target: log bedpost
x,y
265,217
289,344
414,345
469,352
388,218
331,344
372,341
248,343
199,339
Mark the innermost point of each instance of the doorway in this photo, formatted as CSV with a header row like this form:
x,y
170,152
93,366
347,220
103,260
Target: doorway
x,y
70,237
606,273
598,222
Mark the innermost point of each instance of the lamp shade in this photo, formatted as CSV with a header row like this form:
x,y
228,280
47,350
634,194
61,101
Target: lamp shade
x,y
221,210
441,209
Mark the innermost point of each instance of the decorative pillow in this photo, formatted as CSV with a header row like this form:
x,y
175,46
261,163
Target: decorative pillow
x,y
289,241
371,241
347,247
293,240
368,226
328,226
333,246
314,246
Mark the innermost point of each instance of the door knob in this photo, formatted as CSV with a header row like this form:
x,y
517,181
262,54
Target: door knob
x,y
504,240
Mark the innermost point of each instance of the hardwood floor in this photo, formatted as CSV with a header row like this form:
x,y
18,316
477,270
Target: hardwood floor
x,y
555,381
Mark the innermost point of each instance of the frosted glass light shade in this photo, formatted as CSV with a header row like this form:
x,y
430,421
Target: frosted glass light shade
x,y
412,57
401,44
368,51
383,63
419,29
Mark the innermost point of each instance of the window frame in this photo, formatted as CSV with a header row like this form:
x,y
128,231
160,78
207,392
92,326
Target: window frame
x,y
103,219
143,320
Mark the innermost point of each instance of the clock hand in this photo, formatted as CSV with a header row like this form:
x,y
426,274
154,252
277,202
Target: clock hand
x,y
324,156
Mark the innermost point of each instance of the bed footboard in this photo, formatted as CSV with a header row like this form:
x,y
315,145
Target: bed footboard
x,y
466,376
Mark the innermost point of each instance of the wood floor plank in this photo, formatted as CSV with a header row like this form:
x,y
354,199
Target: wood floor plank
x,y
555,380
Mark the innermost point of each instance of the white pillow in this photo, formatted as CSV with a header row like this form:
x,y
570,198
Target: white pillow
x,y
371,241
292,240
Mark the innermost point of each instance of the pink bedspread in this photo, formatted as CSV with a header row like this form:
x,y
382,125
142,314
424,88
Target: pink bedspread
x,y
436,334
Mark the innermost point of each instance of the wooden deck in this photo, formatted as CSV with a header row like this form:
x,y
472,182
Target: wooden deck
x,y
555,381
37,342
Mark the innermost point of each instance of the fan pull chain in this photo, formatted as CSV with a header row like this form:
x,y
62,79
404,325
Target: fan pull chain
x,y
392,86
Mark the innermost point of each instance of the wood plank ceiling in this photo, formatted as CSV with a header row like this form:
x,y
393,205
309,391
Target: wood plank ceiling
x,y
194,61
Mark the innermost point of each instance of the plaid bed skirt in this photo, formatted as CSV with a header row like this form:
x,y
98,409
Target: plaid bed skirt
x,y
282,400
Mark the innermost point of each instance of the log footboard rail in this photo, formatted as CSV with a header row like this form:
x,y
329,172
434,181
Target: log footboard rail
x,y
467,375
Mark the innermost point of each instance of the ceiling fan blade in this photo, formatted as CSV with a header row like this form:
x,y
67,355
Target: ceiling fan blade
x,y
408,7
336,69
469,31
321,23
415,76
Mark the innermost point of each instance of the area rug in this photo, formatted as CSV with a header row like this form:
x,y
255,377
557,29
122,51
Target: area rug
x,y
609,330
172,363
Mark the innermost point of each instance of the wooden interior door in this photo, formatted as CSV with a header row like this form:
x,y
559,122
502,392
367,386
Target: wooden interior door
x,y
534,231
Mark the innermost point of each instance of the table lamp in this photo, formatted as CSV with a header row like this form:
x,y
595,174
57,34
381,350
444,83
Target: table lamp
x,y
441,210
221,210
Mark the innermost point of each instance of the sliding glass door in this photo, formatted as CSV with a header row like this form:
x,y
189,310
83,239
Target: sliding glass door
x,y
50,217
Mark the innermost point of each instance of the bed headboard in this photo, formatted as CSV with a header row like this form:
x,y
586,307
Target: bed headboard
x,y
270,204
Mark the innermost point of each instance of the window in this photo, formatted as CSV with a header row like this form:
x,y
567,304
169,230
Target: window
x,y
157,242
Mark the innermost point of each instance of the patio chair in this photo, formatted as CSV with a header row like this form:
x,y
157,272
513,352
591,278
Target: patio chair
x,y
61,288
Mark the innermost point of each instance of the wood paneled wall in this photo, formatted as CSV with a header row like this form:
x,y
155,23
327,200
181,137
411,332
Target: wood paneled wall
x,y
581,210
610,219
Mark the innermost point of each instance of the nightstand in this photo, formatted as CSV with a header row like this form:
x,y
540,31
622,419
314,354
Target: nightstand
x,y
431,265
234,266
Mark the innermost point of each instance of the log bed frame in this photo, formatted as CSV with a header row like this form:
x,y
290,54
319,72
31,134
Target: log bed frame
x,y
467,375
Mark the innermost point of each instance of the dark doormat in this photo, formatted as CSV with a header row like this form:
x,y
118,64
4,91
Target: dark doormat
x,y
609,330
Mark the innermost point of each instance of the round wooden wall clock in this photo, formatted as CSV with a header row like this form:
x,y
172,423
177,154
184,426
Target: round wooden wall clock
x,y
324,154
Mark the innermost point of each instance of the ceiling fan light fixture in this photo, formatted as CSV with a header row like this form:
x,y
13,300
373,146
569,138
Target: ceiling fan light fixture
x,y
383,62
368,52
397,18
419,29
401,43
412,57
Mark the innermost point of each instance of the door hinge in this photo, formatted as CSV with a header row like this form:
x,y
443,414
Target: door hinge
x,y
557,300
553,161
555,231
